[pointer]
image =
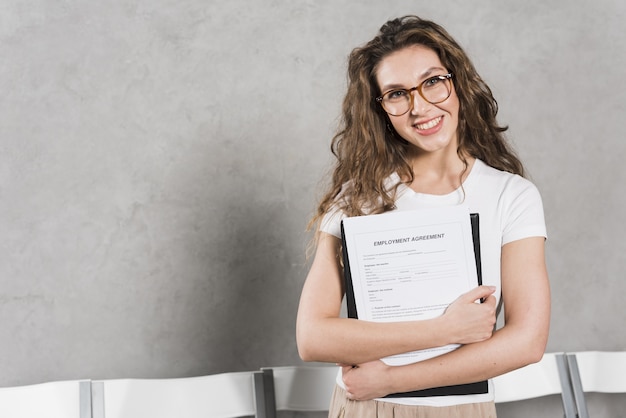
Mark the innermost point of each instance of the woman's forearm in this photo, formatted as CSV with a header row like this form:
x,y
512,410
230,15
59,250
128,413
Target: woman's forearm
x,y
351,341
468,364
505,351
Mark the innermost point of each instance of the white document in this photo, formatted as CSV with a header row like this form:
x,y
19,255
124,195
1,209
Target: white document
x,y
410,265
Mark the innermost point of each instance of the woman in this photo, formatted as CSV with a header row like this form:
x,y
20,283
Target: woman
x,y
419,130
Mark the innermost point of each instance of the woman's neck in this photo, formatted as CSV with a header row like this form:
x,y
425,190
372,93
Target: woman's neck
x,y
439,174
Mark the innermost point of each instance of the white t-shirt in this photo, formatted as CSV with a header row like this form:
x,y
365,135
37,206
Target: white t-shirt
x,y
510,208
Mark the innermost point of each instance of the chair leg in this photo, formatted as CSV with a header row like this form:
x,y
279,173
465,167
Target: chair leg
x,y
84,389
97,399
567,395
264,394
579,394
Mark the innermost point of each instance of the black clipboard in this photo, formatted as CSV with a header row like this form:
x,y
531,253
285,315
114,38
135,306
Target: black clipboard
x,y
476,388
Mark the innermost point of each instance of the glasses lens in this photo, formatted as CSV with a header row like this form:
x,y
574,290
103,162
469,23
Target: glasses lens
x,y
397,102
436,89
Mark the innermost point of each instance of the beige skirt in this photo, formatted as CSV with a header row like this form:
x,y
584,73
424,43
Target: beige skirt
x,y
342,407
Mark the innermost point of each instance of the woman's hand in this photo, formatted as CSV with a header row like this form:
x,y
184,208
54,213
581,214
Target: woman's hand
x,y
367,381
468,321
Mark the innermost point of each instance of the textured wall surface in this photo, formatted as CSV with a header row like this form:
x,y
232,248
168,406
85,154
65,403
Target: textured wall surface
x,y
159,161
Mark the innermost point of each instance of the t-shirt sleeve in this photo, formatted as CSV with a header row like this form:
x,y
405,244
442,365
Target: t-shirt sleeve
x,y
331,222
524,212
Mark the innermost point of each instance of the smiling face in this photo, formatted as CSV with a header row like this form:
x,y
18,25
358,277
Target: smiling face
x,y
430,128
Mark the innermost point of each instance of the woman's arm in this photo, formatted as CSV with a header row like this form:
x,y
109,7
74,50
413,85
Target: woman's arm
x,y
526,295
323,336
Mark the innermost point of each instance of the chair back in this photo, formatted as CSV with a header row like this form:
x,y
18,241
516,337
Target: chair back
x,y
547,377
226,395
64,399
297,388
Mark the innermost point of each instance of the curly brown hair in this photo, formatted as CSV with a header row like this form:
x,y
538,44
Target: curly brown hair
x,y
367,148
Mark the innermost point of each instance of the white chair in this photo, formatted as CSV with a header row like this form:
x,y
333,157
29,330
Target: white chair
x,y
225,395
297,388
65,399
547,377
596,371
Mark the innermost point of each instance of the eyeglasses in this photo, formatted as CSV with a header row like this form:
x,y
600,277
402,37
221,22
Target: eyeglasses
x,y
434,90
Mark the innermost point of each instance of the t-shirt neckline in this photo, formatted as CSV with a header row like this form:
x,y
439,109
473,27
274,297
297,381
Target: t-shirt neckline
x,y
467,183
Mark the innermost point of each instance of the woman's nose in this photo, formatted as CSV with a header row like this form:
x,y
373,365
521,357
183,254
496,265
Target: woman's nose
x,y
419,105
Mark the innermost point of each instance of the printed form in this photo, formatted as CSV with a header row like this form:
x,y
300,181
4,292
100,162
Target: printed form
x,y
410,265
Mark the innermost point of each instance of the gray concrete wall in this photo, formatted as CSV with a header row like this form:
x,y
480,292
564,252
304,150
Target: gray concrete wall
x,y
159,161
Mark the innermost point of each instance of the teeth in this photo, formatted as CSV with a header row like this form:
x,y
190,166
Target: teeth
x,y
428,125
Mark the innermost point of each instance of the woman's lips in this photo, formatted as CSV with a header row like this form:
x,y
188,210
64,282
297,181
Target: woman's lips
x,y
428,125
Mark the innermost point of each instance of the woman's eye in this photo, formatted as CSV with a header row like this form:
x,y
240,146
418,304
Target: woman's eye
x,y
396,94
432,81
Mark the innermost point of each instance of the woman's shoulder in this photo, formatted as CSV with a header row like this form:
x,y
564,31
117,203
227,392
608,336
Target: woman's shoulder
x,y
510,192
515,199
502,179
331,221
